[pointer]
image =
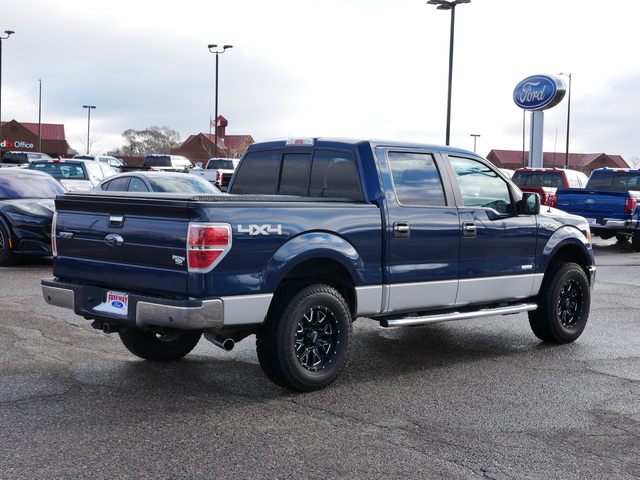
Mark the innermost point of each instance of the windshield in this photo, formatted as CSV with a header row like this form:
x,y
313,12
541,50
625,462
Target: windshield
x,y
186,185
29,186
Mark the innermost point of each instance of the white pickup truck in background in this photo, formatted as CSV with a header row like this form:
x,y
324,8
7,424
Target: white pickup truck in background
x,y
217,171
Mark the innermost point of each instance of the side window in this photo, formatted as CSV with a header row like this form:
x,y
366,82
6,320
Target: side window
x,y
258,173
294,179
572,180
118,184
137,185
334,174
480,186
94,171
583,180
416,179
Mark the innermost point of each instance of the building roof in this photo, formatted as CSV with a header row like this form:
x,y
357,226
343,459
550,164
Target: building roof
x,y
232,142
50,131
514,159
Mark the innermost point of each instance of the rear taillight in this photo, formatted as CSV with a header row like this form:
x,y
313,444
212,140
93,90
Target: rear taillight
x,y
207,244
219,176
552,201
630,205
54,245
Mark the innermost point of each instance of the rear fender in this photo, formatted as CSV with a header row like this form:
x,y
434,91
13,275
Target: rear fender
x,y
313,246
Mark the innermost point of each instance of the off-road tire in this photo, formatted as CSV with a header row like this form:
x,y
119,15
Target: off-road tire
x,y
6,254
304,344
563,305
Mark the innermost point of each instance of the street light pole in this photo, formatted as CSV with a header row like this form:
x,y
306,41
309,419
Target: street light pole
x,y
566,158
40,117
88,107
215,119
475,137
449,5
9,33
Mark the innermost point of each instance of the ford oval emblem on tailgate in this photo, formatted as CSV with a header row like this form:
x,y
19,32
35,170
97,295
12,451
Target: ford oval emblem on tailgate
x,y
112,240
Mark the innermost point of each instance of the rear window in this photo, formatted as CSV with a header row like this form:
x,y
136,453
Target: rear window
x,y
539,179
61,170
223,164
323,173
157,162
615,181
258,173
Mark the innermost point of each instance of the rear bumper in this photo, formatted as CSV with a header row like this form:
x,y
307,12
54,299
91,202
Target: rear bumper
x,y
142,311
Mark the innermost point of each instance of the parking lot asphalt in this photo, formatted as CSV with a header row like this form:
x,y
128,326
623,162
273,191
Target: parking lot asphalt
x,y
473,399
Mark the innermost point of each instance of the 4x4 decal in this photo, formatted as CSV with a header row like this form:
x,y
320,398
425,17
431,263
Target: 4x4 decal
x,y
261,229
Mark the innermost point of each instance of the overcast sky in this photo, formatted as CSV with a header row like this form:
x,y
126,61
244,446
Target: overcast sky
x,y
357,68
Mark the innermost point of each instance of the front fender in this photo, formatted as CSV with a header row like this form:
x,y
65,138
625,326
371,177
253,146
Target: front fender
x,y
568,238
309,246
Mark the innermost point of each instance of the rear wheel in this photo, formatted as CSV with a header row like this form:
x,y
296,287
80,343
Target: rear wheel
x,y
635,241
159,346
6,253
304,344
621,238
564,304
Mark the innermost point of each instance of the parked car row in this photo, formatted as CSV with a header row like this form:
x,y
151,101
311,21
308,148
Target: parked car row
x,y
27,197
27,191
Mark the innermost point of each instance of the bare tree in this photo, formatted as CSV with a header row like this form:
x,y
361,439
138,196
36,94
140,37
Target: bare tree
x,y
634,162
152,139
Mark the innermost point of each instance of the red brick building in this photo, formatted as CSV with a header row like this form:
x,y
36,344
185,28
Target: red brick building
x,y
201,147
584,162
23,137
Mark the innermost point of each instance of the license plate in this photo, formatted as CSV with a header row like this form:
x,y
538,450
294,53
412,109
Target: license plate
x,y
116,303
591,221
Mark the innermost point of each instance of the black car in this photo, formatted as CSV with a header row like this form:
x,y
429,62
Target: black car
x,y
22,158
157,182
26,212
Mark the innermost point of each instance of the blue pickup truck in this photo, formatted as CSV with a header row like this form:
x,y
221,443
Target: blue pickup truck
x,y
313,234
609,202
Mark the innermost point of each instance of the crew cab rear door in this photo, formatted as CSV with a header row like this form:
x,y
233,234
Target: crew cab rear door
x,y
422,234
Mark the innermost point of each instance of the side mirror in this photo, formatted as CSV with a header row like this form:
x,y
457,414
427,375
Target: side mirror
x,y
530,204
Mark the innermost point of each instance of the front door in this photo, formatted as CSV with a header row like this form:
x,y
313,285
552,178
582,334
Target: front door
x,y
497,247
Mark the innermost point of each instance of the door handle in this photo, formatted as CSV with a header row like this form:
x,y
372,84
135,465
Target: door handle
x,y
401,229
469,229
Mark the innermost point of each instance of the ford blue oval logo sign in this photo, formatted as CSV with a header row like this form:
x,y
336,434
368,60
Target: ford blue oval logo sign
x,y
539,92
113,240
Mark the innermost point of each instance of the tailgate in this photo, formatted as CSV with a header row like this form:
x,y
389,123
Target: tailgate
x,y
592,202
127,243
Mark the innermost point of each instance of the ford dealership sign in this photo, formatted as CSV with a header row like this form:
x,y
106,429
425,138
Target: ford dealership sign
x,y
539,92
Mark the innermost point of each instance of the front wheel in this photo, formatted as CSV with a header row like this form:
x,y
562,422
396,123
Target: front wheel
x,y
564,304
304,344
6,254
159,347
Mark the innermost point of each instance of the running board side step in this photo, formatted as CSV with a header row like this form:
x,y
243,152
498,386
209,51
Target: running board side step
x,y
451,316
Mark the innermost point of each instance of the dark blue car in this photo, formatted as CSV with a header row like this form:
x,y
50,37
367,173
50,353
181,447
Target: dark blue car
x,y
26,212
